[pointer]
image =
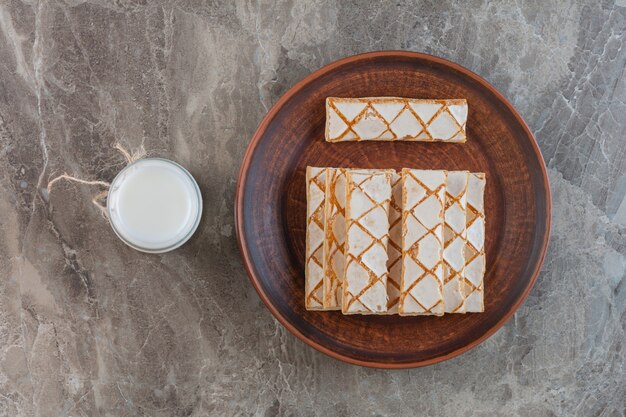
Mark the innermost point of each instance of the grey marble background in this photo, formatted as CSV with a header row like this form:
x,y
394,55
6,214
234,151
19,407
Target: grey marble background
x,y
89,327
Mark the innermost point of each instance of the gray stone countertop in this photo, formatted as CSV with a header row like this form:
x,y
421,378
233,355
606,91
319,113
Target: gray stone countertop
x,y
90,327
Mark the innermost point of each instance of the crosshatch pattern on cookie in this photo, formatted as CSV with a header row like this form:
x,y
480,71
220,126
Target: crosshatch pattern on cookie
x,y
314,265
367,234
394,249
422,242
454,236
475,261
334,237
395,118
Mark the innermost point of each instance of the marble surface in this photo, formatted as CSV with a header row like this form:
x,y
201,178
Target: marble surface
x,y
89,327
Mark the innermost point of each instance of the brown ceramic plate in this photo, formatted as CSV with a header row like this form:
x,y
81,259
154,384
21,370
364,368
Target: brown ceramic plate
x,y
271,204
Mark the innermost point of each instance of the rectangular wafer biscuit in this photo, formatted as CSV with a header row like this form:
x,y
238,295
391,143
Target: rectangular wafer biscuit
x,y
334,237
314,262
395,118
474,271
454,241
367,233
422,242
394,249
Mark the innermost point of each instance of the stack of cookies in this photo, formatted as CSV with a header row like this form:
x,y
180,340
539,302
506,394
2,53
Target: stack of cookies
x,y
385,242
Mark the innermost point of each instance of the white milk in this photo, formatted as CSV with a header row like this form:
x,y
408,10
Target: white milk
x,y
154,205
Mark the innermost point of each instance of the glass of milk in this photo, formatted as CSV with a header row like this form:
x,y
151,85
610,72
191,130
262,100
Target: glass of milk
x,y
154,205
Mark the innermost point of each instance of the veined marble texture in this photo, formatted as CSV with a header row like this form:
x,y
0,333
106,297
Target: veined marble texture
x,y
90,327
